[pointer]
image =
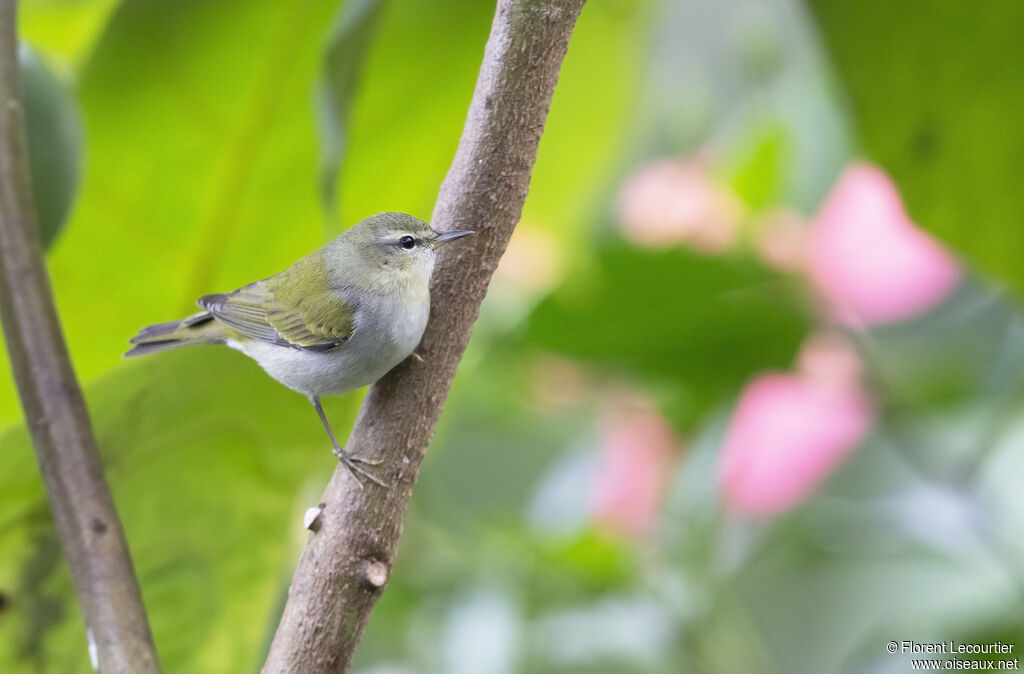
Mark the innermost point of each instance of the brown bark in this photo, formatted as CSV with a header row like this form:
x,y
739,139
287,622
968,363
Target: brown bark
x,y
89,529
345,564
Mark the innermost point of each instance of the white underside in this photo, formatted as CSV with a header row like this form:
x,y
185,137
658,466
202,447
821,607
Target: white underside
x,y
383,338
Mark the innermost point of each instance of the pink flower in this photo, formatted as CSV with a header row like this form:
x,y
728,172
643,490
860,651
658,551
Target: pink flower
x,y
787,434
868,260
676,201
638,447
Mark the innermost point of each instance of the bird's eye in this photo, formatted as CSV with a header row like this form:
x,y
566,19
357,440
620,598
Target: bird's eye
x,y
407,242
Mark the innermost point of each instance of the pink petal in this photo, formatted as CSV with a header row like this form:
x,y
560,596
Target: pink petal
x,y
637,449
868,260
676,201
787,434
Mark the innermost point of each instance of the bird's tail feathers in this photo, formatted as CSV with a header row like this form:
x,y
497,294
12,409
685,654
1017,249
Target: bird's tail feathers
x,y
197,329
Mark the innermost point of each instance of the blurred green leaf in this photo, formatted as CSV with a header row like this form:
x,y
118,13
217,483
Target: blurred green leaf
x,y
194,112
935,91
65,29
54,143
861,592
484,466
346,51
758,171
418,80
704,324
971,347
212,471
591,129
949,381
405,123
588,564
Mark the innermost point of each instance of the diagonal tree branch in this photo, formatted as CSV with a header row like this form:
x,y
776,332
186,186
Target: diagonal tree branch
x,y
89,528
346,563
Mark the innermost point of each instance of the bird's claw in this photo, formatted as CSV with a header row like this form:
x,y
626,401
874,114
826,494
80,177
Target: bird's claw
x,y
351,463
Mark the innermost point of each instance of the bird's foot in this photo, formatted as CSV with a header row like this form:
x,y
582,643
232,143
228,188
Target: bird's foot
x,y
417,357
352,463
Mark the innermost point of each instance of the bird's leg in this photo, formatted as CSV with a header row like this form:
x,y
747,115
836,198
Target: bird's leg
x,y
350,462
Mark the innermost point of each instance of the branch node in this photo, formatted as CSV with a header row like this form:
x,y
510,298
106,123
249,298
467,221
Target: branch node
x,y
375,572
312,520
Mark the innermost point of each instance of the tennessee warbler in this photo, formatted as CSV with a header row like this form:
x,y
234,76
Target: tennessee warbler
x,y
336,320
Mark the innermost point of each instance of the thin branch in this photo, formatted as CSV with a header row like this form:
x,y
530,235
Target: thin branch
x,y
346,563
89,529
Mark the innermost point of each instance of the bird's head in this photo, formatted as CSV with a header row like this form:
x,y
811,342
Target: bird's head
x,y
388,249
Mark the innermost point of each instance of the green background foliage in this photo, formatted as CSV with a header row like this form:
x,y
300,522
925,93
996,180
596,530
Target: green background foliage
x,y
938,105
55,152
222,140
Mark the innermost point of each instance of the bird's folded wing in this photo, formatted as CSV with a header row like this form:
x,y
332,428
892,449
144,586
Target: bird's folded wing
x,y
316,321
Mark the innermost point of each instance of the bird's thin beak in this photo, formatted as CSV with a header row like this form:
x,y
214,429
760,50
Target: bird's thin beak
x,y
444,237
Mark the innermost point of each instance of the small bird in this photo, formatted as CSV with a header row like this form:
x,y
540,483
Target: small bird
x,y
336,320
